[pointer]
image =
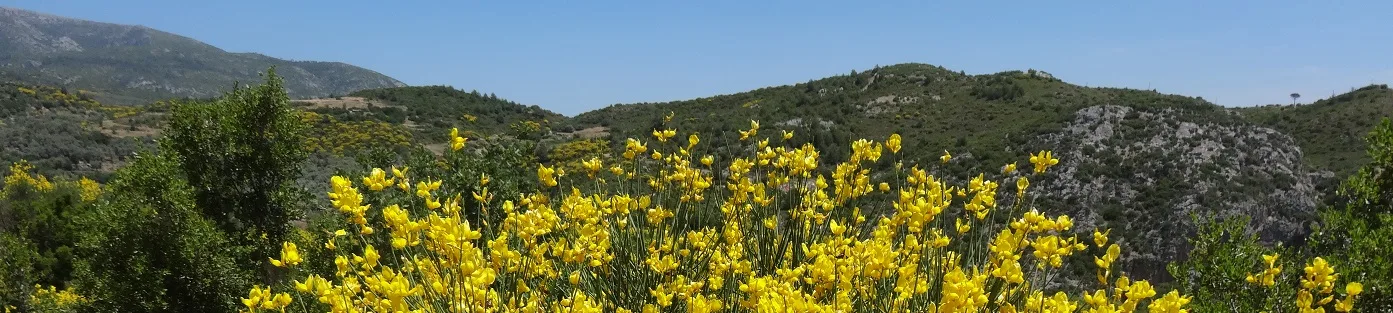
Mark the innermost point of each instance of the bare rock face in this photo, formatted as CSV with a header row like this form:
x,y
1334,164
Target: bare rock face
x,y
134,63
1146,173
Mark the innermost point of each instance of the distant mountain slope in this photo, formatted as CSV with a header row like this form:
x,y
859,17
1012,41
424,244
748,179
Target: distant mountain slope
x,y
128,64
1330,131
1139,162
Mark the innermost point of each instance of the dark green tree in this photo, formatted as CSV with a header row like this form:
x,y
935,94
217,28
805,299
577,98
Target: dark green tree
x,y
150,250
241,155
17,269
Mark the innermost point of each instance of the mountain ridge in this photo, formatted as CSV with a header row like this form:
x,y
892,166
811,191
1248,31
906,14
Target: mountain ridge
x,y
1136,161
132,64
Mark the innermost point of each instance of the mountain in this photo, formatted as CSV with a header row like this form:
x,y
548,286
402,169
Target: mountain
x,y
128,64
1139,162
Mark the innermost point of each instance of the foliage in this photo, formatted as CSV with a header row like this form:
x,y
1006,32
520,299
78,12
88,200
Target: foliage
x,y
42,214
52,300
148,249
39,230
241,155
17,269
527,130
1359,229
1215,272
1229,271
998,88
507,163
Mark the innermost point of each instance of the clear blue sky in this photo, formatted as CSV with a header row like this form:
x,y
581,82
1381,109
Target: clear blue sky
x,y
574,56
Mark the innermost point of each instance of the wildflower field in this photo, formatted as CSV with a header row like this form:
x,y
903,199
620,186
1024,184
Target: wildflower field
x,y
668,228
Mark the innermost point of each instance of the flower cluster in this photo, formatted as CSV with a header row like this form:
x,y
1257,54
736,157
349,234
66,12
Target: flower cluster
x,y
456,141
19,176
1268,276
264,299
51,299
88,190
1315,289
1318,280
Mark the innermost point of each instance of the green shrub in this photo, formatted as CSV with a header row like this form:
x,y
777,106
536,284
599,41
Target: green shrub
x,y
17,276
150,250
1224,253
1359,229
39,233
241,155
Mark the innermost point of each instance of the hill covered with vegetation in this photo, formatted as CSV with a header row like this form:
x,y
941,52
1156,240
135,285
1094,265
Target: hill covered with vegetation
x,y
126,64
64,132
1330,131
1141,162
434,110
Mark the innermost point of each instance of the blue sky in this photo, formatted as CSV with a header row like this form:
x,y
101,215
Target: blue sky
x,y
573,56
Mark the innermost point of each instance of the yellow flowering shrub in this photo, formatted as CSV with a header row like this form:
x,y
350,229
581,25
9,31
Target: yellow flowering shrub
x,y
330,135
51,299
119,111
19,176
1316,290
88,189
576,155
667,228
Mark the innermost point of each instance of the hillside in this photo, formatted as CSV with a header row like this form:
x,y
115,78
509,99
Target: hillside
x,y
944,109
1137,161
432,111
1330,131
64,133
128,64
